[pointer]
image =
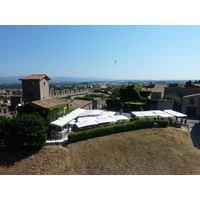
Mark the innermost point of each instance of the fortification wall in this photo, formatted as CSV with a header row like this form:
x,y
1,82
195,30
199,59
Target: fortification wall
x,y
65,93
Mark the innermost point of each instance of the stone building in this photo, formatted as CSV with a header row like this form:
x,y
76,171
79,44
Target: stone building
x,y
35,87
153,91
191,105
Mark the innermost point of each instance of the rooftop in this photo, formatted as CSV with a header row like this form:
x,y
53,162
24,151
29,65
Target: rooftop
x,y
156,88
48,103
78,103
191,95
35,77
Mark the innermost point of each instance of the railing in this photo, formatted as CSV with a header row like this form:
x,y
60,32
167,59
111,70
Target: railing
x,y
59,134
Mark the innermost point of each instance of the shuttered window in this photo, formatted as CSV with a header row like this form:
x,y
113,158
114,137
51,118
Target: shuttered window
x,y
191,100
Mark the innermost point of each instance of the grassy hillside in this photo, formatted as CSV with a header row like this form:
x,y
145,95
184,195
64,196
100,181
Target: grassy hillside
x,y
148,151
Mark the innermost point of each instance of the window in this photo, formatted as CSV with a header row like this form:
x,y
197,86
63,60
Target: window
x,y
32,83
44,82
191,100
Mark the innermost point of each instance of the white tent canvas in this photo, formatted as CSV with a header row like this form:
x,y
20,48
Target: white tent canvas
x,y
120,117
84,123
175,113
105,119
162,114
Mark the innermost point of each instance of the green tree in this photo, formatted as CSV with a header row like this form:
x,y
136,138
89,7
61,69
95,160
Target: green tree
x,y
116,91
131,93
173,85
189,84
177,100
26,130
5,123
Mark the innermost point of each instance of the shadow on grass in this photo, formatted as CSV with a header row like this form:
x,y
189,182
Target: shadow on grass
x,y
9,158
195,135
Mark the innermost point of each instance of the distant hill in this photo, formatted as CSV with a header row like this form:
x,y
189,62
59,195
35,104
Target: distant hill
x,y
155,151
10,79
14,79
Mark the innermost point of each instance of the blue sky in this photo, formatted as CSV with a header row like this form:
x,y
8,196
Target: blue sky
x,y
141,52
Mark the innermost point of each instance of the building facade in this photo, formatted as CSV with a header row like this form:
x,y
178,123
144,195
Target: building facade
x,y
35,87
191,105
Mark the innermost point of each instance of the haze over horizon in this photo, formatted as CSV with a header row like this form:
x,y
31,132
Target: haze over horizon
x,y
111,52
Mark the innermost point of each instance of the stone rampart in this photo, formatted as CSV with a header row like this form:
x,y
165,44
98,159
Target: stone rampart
x,y
65,93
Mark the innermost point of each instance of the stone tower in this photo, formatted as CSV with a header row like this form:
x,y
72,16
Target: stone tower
x,y
35,87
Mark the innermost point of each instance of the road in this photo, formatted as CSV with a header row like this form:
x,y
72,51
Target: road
x,y
194,129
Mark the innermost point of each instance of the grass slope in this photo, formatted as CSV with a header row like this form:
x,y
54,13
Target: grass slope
x,y
148,151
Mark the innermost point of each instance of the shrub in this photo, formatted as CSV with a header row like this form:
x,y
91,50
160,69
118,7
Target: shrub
x,y
5,123
107,130
26,130
163,123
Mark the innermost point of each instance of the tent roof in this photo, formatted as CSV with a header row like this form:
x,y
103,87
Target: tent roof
x,y
138,114
84,123
175,113
120,117
144,114
105,119
162,114
69,117
91,113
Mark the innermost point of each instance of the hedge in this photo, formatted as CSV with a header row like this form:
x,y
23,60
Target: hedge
x,y
107,130
163,123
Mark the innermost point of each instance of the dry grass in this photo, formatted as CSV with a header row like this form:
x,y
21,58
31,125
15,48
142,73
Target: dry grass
x,y
148,151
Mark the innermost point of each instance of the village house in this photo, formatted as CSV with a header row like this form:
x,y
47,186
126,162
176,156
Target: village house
x,y
153,91
191,104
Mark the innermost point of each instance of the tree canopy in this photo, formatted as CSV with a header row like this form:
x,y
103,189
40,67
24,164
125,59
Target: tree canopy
x,y
177,100
25,130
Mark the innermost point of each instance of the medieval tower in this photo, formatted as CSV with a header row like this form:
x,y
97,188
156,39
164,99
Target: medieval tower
x,y
35,87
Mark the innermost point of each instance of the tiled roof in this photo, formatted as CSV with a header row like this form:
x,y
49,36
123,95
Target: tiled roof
x,y
78,103
35,77
191,95
156,88
48,103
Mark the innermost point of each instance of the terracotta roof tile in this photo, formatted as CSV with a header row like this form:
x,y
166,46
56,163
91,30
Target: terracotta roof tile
x,y
47,103
156,88
35,77
78,103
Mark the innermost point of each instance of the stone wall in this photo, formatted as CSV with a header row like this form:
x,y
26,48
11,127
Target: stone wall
x,y
180,91
65,93
4,110
165,104
99,103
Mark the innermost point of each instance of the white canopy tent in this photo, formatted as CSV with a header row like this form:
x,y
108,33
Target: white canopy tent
x,y
162,114
138,114
175,113
62,121
144,114
84,123
108,113
120,117
91,113
105,119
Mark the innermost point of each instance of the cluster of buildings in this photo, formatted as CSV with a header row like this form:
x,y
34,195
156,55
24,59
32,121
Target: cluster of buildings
x,y
36,90
190,97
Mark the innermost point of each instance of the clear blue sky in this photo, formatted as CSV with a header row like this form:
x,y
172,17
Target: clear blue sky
x,y
141,52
